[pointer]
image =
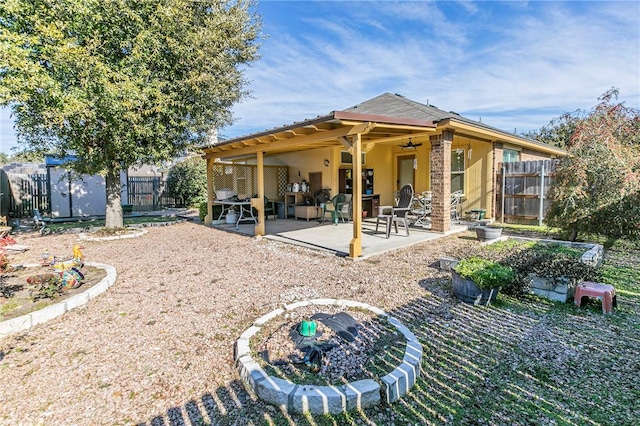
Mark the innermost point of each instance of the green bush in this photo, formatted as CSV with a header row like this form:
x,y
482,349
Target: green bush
x,y
546,260
202,211
187,181
485,273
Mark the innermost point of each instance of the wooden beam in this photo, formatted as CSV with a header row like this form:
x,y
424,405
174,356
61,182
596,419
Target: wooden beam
x,y
260,226
355,246
330,135
209,217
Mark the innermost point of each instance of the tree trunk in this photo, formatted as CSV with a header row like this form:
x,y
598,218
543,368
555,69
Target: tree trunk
x,y
574,234
113,217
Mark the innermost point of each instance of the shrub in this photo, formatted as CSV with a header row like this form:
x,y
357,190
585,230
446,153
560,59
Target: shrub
x,y
202,211
187,181
485,273
546,260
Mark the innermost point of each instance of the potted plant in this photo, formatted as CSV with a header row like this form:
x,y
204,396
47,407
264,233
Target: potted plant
x,y
486,233
477,281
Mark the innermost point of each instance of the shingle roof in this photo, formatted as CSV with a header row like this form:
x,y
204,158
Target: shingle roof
x,y
393,105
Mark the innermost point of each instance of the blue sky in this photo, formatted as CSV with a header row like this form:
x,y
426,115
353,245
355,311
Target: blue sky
x,y
515,65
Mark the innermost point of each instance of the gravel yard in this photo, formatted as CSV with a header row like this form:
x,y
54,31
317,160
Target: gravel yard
x,y
157,347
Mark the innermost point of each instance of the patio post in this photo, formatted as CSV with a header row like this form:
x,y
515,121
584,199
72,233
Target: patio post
x,y
259,204
355,246
441,181
209,217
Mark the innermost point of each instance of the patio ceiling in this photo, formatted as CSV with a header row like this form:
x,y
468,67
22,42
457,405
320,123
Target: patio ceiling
x,y
325,131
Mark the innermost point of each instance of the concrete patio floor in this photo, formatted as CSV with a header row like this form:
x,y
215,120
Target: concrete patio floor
x,y
336,238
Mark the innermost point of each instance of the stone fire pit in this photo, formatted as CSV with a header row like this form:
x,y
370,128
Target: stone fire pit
x,y
328,399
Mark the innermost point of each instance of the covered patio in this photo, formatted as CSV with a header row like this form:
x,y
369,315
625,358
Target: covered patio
x,y
368,151
335,239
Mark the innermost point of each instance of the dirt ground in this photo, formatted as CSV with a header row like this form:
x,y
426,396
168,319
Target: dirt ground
x,y
162,337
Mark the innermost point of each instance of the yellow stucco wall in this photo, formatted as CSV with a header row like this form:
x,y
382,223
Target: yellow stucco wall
x,y
478,174
383,158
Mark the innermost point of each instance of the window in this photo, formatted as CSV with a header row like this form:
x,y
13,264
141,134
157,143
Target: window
x,y
510,155
457,170
347,158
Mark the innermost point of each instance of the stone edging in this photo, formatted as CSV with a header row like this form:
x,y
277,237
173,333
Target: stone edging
x,y
86,237
328,399
43,315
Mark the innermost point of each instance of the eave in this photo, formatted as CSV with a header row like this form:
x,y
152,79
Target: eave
x,y
495,135
321,132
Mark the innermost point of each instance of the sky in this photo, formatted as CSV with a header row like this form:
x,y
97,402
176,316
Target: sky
x,y
513,65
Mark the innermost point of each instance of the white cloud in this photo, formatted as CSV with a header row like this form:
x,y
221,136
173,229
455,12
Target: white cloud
x,y
530,62
515,64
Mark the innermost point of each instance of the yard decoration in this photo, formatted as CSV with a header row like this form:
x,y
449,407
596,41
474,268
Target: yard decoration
x,y
51,284
65,275
76,261
477,281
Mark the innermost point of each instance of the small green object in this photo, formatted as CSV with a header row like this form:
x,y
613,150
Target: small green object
x,y
307,328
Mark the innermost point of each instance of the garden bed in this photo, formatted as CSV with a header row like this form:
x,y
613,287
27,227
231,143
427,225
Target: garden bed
x,y
15,292
547,268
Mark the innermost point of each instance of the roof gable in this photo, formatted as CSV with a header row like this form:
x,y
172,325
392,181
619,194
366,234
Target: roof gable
x,y
393,105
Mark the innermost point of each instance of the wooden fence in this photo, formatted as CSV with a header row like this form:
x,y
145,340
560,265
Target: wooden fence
x,y
522,188
149,193
32,193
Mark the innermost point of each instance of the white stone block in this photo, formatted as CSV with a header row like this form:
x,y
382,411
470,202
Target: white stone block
x,y
296,305
249,332
399,382
362,394
268,317
327,302
413,354
242,348
50,312
97,289
274,391
15,324
250,371
318,400
77,300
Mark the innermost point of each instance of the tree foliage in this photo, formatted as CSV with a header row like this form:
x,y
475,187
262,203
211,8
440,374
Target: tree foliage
x,y
559,130
122,82
187,180
597,186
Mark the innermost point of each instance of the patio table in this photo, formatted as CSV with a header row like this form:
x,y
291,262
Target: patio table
x,y
245,207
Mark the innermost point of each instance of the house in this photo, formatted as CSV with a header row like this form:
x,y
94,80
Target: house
x,y
388,141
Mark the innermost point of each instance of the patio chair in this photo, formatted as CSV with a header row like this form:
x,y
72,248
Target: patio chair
x,y
421,209
398,213
344,210
334,206
270,208
455,205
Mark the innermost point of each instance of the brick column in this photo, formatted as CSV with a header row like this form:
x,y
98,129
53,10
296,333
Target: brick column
x,y
441,181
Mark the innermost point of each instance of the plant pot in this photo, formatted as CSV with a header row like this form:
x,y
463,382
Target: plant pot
x,y
364,213
486,233
468,292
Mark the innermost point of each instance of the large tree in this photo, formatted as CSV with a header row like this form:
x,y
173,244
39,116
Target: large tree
x,y
119,82
597,186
